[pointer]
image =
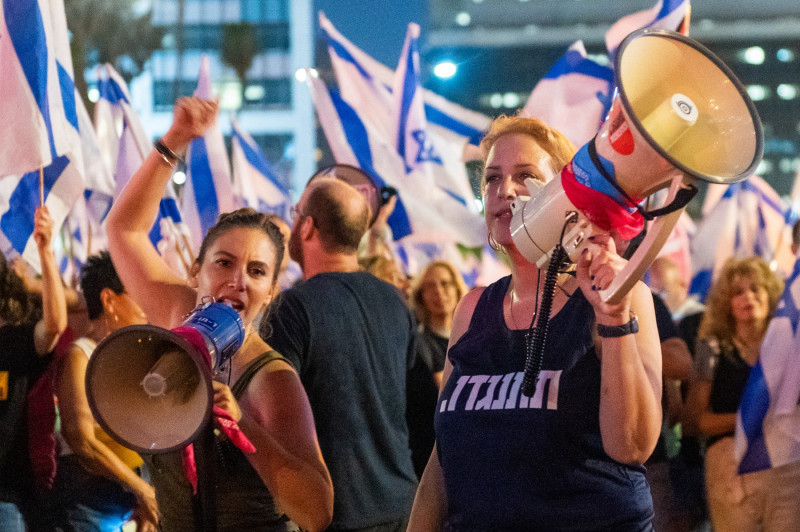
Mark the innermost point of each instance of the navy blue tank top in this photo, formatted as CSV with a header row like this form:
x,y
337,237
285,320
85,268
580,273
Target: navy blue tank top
x,y
514,463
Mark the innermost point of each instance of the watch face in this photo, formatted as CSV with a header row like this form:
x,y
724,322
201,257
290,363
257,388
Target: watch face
x,y
361,181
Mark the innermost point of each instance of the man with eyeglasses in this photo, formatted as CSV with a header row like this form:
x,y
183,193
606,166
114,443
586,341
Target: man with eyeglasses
x,y
351,339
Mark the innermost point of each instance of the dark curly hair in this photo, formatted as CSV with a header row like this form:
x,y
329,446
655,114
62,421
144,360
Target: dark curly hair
x,y
17,305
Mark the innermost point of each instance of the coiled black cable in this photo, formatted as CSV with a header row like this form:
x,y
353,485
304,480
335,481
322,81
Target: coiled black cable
x,y
536,337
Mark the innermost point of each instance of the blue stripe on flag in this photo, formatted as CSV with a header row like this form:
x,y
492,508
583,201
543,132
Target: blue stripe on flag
x,y
410,84
68,96
435,116
167,208
342,52
110,90
259,162
205,195
27,34
455,196
746,185
752,408
573,62
358,140
701,284
17,223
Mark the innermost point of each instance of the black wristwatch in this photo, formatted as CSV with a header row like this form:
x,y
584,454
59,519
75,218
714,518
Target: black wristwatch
x,y
615,331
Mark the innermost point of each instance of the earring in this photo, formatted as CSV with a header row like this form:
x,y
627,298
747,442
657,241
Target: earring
x,y
493,243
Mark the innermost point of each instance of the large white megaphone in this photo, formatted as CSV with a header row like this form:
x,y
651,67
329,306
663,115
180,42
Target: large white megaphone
x,y
679,114
150,388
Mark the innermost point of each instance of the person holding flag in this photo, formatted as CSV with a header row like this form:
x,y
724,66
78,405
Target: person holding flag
x,y
28,336
739,307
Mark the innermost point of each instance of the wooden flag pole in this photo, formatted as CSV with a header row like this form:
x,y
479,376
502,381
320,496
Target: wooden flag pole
x,y
41,186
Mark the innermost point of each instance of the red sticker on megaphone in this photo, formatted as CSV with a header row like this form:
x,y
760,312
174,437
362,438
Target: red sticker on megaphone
x,y
619,133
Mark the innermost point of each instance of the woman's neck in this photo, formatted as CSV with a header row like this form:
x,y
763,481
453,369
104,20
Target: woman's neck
x,y
441,325
525,276
749,335
750,332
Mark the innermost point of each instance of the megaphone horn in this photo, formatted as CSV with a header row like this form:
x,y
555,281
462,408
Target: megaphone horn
x,y
150,388
679,114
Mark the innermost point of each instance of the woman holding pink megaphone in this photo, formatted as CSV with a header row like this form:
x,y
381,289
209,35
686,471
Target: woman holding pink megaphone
x,y
284,484
568,455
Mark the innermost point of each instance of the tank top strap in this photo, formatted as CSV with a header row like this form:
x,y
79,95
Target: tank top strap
x,y
489,309
247,375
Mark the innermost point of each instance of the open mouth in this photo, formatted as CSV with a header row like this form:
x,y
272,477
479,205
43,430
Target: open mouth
x,y
237,305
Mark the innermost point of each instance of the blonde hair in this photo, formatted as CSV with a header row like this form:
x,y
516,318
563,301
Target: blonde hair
x,y
559,147
417,304
718,321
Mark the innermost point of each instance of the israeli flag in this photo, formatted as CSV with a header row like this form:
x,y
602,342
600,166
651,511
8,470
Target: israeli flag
x,y
746,221
421,151
208,191
38,103
574,96
366,84
422,207
665,15
255,183
110,112
169,235
768,421
41,123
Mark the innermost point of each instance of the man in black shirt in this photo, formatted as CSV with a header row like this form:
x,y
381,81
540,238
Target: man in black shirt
x,y
351,339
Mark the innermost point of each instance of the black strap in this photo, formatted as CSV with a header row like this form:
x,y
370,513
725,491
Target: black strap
x,y
247,375
682,197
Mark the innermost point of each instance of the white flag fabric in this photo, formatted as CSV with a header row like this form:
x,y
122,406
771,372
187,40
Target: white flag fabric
x,y
574,96
208,191
255,183
41,122
665,15
768,421
36,85
746,221
421,207
366,85
110,111
421,150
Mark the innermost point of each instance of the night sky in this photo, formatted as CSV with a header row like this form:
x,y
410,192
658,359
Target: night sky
x,y
376,26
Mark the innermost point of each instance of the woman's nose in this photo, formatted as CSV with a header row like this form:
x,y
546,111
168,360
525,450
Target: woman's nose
x,y
237,280
507,188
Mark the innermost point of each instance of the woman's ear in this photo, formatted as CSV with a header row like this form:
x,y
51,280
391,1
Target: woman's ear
x,y
194,271
107,300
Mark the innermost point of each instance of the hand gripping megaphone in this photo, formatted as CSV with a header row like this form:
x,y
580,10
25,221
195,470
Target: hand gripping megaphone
x,y
679,114
150,388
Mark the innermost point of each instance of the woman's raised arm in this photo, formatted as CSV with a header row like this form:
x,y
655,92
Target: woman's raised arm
x,y
145,275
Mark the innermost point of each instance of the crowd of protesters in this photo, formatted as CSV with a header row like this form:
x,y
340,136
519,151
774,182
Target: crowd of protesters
x,y
379,402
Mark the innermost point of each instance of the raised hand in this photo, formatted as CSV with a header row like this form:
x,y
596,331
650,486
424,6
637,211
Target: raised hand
x,y
191,118
42,227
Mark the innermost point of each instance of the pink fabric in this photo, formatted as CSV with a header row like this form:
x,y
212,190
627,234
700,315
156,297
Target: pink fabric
x,y
600,209
222,419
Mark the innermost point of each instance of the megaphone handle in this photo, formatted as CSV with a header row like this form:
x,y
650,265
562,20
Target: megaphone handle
x,y
657,234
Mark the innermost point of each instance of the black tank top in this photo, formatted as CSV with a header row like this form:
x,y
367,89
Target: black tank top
x,y
516,463
243,501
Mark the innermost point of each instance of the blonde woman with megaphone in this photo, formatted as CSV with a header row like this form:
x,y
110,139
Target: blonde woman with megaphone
x,y
237,264
569,456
